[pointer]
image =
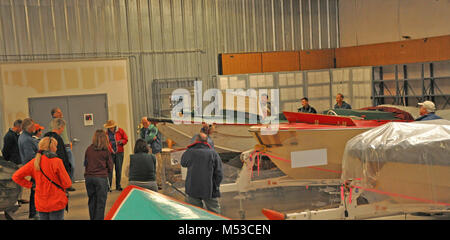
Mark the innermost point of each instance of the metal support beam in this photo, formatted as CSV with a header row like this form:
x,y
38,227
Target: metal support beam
x,y
397,87
405,85
381,86
432,82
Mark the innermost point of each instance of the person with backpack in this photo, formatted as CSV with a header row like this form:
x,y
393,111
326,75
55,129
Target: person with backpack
x,y
51,180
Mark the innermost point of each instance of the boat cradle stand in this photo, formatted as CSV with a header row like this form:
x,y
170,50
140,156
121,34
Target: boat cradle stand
x,y
350,209
245,184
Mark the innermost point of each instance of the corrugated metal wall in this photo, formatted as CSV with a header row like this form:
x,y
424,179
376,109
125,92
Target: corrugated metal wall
x,y
163,39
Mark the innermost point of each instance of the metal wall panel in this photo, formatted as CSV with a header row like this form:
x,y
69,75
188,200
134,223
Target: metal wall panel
x,y
162,39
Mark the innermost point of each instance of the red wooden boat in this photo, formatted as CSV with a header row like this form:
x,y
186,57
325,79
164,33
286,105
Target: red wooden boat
x,y
311,146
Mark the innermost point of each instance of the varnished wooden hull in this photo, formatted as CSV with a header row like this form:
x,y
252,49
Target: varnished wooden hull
x,y
288,140
403,183
227,137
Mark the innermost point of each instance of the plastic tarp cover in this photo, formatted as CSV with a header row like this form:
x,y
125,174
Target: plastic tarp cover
x,y
403,162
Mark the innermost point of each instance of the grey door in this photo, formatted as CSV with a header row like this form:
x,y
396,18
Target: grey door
x,y
40,110
74,109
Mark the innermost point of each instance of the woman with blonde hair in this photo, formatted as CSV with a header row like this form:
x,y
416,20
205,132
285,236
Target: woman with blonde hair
x,y
98,165
51,180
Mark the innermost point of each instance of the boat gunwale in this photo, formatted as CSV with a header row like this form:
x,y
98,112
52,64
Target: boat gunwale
x,y
257,129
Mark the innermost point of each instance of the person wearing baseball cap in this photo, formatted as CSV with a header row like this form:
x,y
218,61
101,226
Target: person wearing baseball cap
x,y
426,111
39,129
37,134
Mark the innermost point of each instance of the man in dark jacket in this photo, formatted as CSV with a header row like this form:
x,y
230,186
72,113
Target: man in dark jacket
x,y
204,174
57,113
58,125
306,108
10,148
208,130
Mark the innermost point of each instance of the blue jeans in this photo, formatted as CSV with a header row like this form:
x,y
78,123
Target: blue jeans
x,y
71,161
97,190
151,185
117,161
56,215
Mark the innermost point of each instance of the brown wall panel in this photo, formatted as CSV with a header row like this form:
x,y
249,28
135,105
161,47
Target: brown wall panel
x,y
316,59
241,63
280,61
436,49
409,51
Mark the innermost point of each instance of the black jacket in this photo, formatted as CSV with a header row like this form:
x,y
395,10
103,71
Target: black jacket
x,y
142,167
10,148
204,171
309,109
61,150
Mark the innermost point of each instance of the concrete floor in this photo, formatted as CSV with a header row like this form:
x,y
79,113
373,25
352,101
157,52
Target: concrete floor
x,y
78,207
78,204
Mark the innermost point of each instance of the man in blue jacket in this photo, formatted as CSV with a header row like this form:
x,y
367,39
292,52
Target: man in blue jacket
x,y
426,111
27,150
340,103
27,145
204,174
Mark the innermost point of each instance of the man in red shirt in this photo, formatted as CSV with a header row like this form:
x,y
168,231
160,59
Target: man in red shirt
x,y
117,140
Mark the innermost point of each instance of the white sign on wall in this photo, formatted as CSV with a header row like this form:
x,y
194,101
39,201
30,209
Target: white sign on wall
x,y
88,119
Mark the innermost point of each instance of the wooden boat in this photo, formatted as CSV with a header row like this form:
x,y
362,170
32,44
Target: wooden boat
x,y
407,162
394,169
311,146
135,203
227,136
230,135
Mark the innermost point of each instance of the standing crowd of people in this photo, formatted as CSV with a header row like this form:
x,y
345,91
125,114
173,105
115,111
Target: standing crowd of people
x,y
47,165
44,159
49,161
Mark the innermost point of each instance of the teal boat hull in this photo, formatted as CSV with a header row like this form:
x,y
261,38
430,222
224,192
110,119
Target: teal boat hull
x,y
135,203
